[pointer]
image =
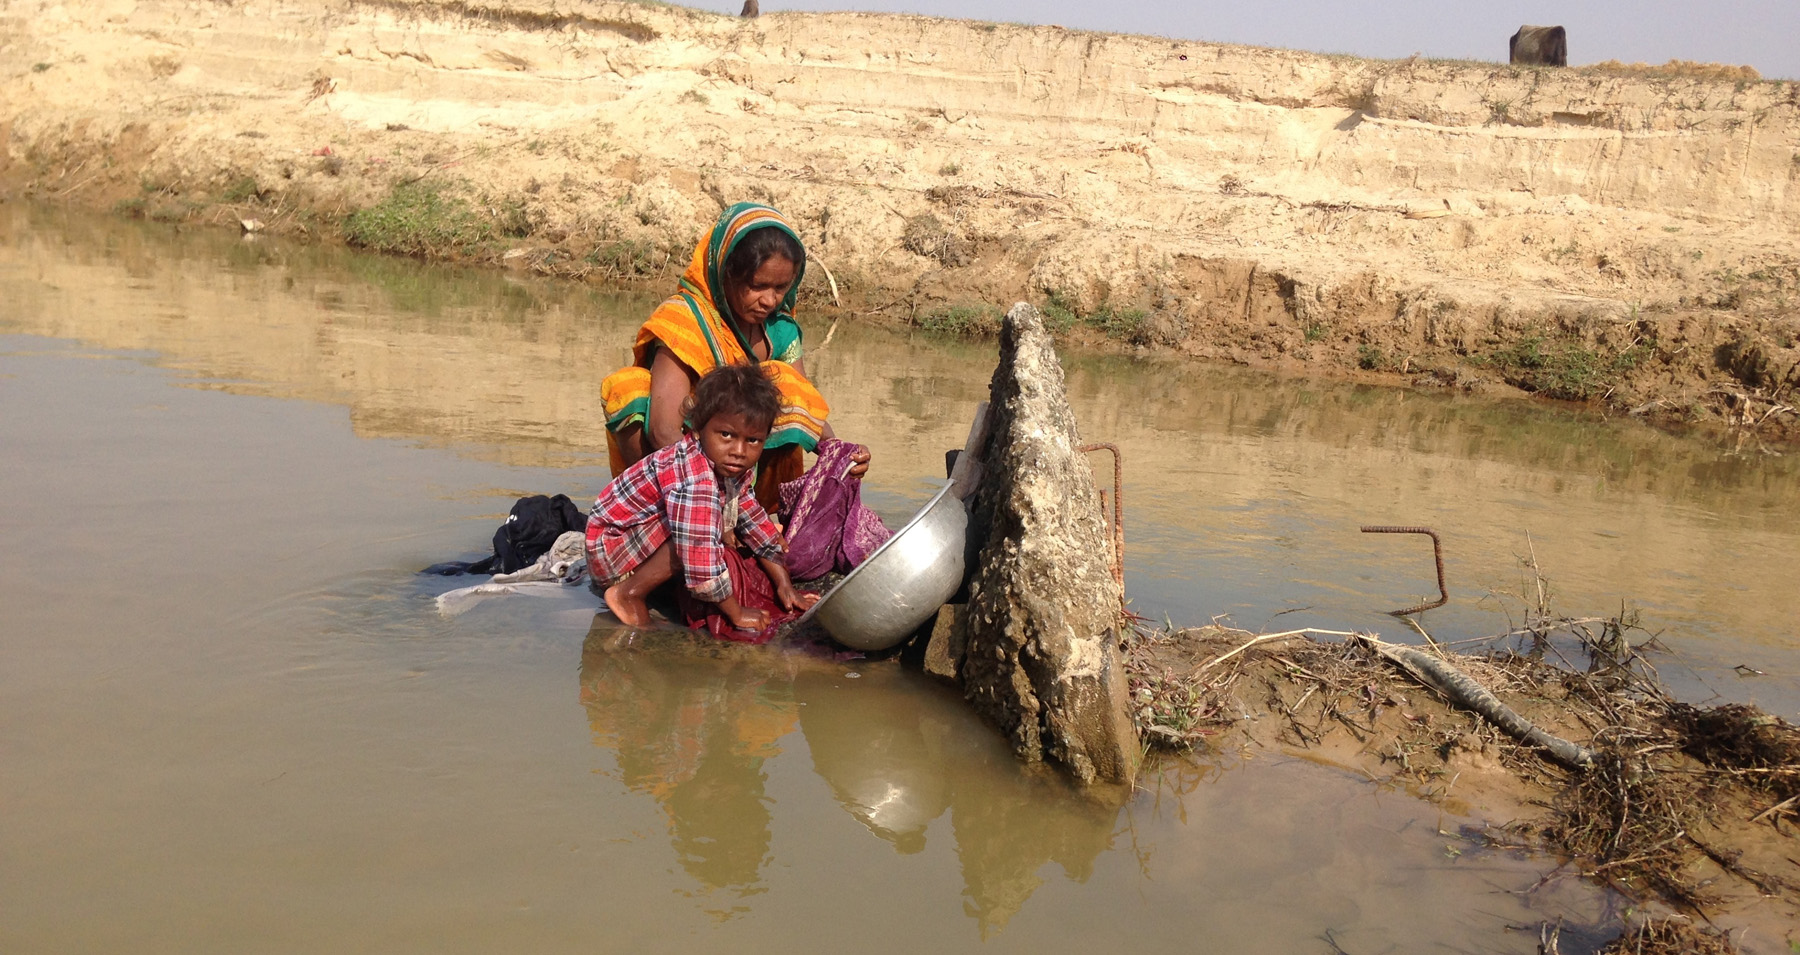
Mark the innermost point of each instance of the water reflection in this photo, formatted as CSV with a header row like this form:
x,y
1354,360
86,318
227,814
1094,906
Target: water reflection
x,y
1244,490
897,758
317,740
691,728
695,724
872,749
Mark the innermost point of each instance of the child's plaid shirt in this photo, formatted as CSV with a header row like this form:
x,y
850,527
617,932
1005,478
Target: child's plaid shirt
x,y
674,495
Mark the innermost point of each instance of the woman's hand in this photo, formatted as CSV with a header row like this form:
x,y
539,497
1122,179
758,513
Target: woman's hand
x,y
859,463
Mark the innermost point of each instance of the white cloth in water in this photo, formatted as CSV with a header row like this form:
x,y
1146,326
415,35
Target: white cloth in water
x,y
565,560
563,565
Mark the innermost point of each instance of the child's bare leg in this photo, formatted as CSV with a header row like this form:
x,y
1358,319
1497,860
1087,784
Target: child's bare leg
x,y
625,598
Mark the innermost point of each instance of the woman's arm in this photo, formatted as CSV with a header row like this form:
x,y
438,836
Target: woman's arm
x,y
860,460
671,382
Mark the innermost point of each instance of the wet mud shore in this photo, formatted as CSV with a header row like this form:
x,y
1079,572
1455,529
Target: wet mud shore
x,y
1610,236
1689,810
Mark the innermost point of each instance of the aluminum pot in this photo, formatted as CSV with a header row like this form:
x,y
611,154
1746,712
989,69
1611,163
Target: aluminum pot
x,y
903,583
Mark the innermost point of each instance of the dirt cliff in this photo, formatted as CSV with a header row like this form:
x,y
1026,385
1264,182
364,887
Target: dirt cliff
x,y
1592,234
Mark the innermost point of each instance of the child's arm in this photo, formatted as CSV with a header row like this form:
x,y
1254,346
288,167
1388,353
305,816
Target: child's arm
x,y
758,532
691,516
789,598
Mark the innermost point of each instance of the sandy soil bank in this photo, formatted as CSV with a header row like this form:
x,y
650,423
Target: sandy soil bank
x,y
1582,234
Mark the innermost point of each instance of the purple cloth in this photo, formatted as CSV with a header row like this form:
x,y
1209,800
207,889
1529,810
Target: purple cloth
x,y
828,528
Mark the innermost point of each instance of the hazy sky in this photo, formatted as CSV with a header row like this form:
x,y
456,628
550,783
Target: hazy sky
x,y
1761,33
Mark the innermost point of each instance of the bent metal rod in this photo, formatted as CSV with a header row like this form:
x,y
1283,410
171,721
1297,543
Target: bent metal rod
x,y
1437,554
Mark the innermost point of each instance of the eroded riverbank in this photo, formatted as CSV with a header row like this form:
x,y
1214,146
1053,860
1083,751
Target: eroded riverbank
x,y
1615,237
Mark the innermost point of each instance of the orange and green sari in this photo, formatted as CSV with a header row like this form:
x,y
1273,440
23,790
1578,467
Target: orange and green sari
x,y
697,327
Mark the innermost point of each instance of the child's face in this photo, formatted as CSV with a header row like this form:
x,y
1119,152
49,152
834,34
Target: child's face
x,y
732,443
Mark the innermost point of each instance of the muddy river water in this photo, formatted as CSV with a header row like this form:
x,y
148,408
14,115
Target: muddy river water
x,y
231,720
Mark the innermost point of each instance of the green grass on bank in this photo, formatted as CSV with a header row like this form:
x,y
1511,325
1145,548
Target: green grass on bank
x,y
1061,315
1564,369
419,219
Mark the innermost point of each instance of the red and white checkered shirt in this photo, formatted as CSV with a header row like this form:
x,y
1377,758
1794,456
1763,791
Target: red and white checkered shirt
x,y
674,495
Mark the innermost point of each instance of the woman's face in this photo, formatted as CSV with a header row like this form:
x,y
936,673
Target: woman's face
x,y
754,301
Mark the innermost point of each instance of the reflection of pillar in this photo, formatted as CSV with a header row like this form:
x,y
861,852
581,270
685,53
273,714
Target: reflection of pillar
x,y
866,743
1010,819
692,722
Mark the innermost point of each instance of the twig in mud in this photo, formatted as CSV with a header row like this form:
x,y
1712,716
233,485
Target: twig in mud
x,y
91,177
1549,939
828,333
1559,624
832,279
1543,598
1297,668
1429,642
1781,808
1265,638
67,172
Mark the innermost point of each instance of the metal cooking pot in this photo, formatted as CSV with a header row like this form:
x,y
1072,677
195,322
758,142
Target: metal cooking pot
x,y
903,583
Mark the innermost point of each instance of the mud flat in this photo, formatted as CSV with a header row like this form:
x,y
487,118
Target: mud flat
x,y
1686,809
1590,234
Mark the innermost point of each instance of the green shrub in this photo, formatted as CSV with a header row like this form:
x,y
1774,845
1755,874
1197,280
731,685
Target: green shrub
x,y
243,190
624,258
969,321
512,219
1563,369
417,219
1125,323
1059,313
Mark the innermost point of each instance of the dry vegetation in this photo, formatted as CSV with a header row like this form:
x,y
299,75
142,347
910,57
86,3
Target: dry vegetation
x,y
1667,936
1688,807
1678,69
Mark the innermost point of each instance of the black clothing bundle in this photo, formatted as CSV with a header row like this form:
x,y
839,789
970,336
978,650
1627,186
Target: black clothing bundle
x,y
533,525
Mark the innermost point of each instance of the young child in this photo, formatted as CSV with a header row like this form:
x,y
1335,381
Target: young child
x,y
679,509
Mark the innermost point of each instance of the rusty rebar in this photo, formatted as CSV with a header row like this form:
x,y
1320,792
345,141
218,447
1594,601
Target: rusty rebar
x,y
1437,554
1118,508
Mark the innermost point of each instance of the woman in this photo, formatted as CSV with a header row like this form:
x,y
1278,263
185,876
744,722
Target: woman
x,y
735,304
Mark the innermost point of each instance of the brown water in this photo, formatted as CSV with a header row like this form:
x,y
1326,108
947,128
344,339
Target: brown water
x,y
230,718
